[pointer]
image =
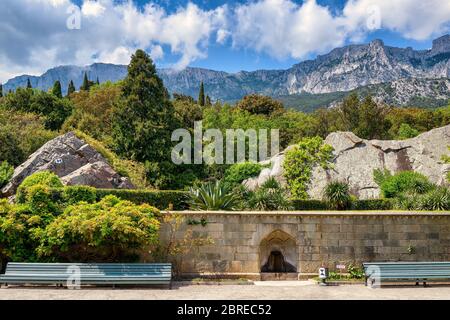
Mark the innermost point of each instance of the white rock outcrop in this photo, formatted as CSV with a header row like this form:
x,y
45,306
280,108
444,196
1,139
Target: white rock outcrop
x,y
355,159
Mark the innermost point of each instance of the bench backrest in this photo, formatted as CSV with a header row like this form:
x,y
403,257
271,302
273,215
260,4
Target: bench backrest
x,y
408,268
132,269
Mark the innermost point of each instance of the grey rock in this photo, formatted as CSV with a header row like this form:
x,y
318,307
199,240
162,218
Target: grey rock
x,y
98,174
355,159
67,156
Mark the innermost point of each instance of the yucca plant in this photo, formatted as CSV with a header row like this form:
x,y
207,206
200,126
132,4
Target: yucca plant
x,y
338,195
438,199
212,196
269,197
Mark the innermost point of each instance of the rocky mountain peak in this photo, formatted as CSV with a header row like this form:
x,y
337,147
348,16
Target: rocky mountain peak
x,y
441,45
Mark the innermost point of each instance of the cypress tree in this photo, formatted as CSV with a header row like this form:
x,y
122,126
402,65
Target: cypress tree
x,y
201,95
208,102
1,90
143,119
56,91
97,82
86,83
29,86
71,88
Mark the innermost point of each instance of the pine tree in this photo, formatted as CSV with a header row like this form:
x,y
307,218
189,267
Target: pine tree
x,y
1,90
97,82
56,91
71,89
201,95
143,119
29,86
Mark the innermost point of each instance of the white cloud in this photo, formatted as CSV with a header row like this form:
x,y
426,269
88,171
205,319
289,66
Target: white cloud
x,y
282,28
92,8
414,19
35,37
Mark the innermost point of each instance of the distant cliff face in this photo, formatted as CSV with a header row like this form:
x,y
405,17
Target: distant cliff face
x,y
343,69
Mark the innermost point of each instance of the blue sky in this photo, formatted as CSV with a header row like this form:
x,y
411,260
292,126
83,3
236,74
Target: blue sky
x,y
215,34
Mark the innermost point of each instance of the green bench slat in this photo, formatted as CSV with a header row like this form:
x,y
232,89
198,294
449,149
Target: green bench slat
x,y
414,271
90,273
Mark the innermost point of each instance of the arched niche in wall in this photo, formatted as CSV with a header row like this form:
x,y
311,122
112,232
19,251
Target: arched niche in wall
x,y
278,253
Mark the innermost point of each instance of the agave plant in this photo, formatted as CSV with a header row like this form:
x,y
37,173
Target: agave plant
x,y
212,196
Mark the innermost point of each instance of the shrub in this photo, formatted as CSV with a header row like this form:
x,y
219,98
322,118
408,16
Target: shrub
x,y
338,196
110,230
406,132
6,172
19,226
42,199
212,196
43,178
373,204
76,194
309,205
269,197
406,201
438,199
239,172
300,161
406,181
161,199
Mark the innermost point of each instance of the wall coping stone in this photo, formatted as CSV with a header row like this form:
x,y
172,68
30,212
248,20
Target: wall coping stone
x,y
390,213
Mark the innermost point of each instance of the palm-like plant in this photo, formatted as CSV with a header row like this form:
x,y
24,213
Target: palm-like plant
x,y
212,196
338,195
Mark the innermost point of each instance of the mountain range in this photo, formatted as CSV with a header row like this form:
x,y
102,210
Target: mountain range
x,y
398,76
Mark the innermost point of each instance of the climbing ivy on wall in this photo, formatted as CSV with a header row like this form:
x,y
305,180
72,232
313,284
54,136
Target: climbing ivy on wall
x,y
301,160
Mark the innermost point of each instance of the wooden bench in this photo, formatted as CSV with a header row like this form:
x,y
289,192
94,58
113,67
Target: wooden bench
x,y
89,273
407,272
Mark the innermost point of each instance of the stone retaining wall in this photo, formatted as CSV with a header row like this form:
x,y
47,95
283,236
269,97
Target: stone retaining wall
x,y
308,240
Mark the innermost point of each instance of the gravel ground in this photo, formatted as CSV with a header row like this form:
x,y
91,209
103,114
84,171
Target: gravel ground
x,y
267,290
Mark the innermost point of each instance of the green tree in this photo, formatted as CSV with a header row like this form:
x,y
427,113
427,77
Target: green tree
x,y
208,102
406,132
1,90
71,89
259,104
97,82
29,86
56,91
366,118
87,84
201,95
143,118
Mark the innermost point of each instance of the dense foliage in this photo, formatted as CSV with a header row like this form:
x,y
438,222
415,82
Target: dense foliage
x,y
50,222
6,172
110,230
301,160
239,172
406,181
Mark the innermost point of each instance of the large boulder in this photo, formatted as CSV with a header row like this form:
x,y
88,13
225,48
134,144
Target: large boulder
x,y
72,159
355,159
